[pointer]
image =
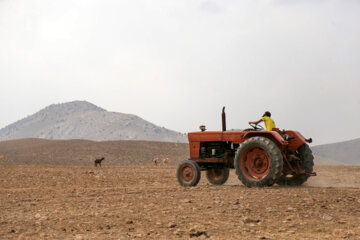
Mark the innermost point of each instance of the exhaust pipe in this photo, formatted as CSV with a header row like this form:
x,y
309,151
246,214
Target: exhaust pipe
x,y
223,117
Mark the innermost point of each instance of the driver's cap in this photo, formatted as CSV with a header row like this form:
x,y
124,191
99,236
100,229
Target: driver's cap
x,y
267,113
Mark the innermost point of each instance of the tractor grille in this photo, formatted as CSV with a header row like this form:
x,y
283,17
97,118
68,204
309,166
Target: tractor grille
x,y
212,149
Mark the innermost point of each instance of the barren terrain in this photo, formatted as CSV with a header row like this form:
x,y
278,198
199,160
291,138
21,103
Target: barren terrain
x,y
36,151
84,202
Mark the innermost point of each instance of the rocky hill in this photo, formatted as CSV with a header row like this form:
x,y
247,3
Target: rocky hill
x,y
347,152
83,120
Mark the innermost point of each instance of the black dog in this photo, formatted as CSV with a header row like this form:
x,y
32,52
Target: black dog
x,y
98,161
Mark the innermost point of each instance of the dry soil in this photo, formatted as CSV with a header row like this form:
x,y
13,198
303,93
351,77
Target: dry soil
x,y
84,202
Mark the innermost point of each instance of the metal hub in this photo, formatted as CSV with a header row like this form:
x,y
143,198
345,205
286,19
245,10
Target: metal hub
x,y
187,174
255,163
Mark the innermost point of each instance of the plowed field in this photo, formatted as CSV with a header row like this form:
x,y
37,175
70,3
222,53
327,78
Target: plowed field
x,y
70,202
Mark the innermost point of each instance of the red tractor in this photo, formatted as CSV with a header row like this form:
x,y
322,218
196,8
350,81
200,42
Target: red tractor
x,y
261,158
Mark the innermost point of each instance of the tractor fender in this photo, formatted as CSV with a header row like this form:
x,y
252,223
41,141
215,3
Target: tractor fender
x,y
297,139
272,135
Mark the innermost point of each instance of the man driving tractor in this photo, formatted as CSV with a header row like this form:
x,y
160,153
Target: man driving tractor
x,y
260,157
266,118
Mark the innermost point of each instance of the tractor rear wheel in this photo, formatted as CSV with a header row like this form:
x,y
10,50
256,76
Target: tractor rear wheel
x,y
258,162
307,164
188,173
217,176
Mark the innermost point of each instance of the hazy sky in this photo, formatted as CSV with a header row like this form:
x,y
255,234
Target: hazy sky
x,y
176,63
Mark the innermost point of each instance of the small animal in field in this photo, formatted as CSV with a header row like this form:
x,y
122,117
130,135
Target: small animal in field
x,y
156,161
98,161
165,161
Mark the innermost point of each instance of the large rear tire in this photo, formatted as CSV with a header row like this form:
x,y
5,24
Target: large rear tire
x,y
217,176
188,173
307,164
258,162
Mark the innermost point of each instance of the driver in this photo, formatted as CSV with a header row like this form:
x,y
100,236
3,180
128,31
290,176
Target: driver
x,y
269,123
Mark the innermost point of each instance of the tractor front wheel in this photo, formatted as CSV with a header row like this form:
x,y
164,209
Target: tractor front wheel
x,y
258,162
188,173
217,176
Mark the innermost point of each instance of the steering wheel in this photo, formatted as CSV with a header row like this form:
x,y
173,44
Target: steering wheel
x,y
256,127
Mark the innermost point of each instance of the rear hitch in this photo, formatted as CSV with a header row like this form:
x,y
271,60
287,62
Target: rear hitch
x,y
309,140
310,173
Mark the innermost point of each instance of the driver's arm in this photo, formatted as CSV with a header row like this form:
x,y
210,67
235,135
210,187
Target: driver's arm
x,y
256,122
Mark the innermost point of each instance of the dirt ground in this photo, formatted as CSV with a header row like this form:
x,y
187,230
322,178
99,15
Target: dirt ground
x,y
67,202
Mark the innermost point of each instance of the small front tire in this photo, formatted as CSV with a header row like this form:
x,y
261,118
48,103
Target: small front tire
x,y
188,173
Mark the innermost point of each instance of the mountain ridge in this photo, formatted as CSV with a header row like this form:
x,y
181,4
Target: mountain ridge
x,y
347,152
84,120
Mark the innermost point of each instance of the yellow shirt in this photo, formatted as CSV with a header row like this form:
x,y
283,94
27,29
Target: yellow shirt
x,y
269,123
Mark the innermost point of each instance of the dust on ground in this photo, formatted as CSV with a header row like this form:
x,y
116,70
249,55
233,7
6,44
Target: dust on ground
x,y
67,202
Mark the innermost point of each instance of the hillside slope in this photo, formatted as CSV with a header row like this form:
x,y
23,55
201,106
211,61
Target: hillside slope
x,y
347,152
325,161
83,152
83,120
